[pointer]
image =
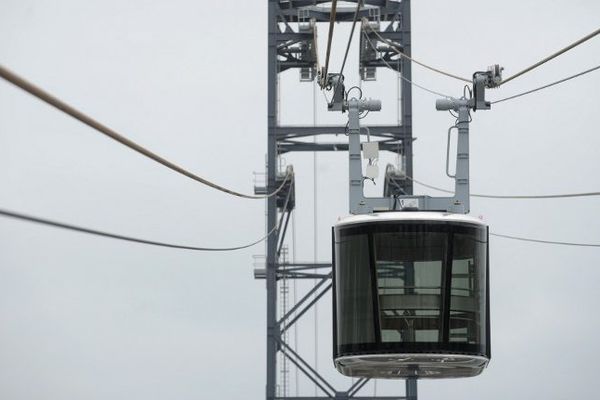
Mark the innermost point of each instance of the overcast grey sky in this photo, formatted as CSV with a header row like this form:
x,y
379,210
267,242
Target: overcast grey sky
x,y
85,317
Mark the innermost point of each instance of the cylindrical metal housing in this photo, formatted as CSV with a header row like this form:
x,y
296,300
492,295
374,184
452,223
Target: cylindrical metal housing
x,y
411,295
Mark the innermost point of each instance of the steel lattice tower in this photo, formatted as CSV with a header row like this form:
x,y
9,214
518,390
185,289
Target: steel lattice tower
x,y
294,48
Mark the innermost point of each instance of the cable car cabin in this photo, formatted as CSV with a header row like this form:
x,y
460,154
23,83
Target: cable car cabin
x,y
411,295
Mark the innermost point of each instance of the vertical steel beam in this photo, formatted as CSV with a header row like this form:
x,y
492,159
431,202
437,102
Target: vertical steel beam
x,y
411,389
461,180
274,37
406,94
271,280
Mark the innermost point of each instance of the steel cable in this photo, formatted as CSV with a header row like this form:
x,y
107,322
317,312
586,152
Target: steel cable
x,y
522,197
545,241
402,76
358,5
548,85
356,13
80,229
552,56
400,53
92,123
43,221
329,40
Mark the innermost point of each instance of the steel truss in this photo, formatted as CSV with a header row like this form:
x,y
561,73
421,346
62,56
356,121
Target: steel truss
x,y
287,49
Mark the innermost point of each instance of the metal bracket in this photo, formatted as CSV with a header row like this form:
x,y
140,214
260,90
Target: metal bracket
x,y
459,202
336,82
491,78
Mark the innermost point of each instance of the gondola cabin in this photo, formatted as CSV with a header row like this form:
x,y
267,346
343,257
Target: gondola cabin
x,y
411,295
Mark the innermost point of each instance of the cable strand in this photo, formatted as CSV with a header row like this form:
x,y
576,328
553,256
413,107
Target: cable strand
x,y
329,40
400,75
358,5
521,197
545,241
46,97
548,85
552,56
402,54
62,225
42,221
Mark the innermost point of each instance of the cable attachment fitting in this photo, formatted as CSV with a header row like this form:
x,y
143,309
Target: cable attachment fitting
x,y
495,76
336,82
492,78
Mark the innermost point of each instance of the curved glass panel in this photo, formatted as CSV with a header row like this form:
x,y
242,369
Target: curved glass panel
x,y
411,286
410,267
353,283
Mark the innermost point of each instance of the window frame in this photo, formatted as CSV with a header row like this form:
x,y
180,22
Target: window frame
x,y
444,345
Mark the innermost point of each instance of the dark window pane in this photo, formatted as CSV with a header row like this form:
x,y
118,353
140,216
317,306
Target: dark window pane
x,y
467,304
353,291
411,287
409,282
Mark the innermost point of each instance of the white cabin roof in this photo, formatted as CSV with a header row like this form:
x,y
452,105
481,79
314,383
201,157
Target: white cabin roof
x,y
408,216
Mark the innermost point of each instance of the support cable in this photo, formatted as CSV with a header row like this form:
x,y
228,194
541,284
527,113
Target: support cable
x,y
552,56
402,54
548,85
46,97
43,221
401,75
356,13
80,229
545,241
329,39
515,197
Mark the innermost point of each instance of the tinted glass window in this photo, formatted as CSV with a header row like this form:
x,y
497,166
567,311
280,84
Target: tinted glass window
x,y
467,311
411,283
353,291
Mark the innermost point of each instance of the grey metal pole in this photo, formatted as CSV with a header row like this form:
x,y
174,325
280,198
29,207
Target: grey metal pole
x,y
271,261
461,182
411,389
406,71
460,201
357,202
354,161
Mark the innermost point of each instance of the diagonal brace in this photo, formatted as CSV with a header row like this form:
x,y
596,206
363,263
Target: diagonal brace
x,y
286,348
357,386
315,381
308,306
304,299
